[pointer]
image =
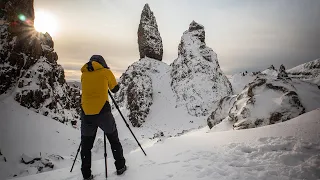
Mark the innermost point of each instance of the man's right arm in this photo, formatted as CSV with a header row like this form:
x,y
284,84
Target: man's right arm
x,y
112,82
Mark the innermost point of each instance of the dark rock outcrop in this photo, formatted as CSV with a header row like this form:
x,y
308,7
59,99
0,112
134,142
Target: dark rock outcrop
x,y
197,79
136,91
29,68
149,39
222,110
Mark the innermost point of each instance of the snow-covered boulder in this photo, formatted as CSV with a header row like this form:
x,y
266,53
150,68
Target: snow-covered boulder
x,y
266,100
271,71
136,91
309,71
149,39
222,110
28,66
197,79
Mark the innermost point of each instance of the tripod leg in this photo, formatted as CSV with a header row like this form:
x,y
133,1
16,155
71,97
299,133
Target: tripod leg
x,y
105,154
76,157
126,122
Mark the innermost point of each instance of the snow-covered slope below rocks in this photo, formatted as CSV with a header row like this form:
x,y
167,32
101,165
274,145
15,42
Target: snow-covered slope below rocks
x,y
25,132
288,150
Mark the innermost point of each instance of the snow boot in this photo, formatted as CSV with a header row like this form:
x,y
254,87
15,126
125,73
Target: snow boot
x,y
122,170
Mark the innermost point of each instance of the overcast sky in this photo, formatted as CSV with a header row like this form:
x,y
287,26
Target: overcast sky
x,y
247,35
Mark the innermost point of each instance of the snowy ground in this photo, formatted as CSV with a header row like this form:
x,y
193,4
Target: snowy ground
x,y
289,150
26,132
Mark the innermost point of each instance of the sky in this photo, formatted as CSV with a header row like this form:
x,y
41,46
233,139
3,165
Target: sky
x,y
247,35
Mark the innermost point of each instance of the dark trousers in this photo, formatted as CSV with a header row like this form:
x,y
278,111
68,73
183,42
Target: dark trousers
x,y
89,126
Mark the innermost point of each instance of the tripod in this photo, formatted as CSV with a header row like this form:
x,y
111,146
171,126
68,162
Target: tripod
x,y
105,150
105,155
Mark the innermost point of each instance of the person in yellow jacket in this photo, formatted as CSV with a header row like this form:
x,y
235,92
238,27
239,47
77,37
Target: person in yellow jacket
x,y
96,80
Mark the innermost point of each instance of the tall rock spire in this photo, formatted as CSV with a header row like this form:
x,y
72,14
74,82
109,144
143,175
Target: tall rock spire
x,y
197,78
149,39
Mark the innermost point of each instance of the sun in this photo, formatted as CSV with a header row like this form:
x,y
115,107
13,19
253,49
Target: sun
x,y
45,22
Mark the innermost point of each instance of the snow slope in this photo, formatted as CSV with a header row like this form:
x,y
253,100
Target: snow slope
x,y
23,131
289,150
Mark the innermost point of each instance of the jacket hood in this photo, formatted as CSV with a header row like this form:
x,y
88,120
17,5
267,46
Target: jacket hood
x,y
99,59
91,66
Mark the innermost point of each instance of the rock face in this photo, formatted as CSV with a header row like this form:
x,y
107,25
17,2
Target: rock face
x,y
28,66
266,100
149,39
197,79
222,110
136,91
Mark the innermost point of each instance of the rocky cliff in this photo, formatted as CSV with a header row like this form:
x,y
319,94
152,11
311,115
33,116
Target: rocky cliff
x,y
28,66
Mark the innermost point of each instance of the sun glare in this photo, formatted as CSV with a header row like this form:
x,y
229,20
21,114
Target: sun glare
x,y
45,22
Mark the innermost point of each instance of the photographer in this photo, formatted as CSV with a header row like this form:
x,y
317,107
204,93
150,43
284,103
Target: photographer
x,y
96,80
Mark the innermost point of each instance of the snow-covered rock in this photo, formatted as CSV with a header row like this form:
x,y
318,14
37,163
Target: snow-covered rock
x,y
266,100
309,71
271,71
222,110
149,39
197,79
136,90
28,66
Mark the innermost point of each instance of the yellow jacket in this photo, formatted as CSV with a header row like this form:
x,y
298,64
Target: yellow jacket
x,y
95,82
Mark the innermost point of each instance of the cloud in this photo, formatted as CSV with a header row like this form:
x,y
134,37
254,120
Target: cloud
x,y
246,35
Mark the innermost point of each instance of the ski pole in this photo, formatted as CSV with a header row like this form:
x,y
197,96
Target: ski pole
x,y
126,123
